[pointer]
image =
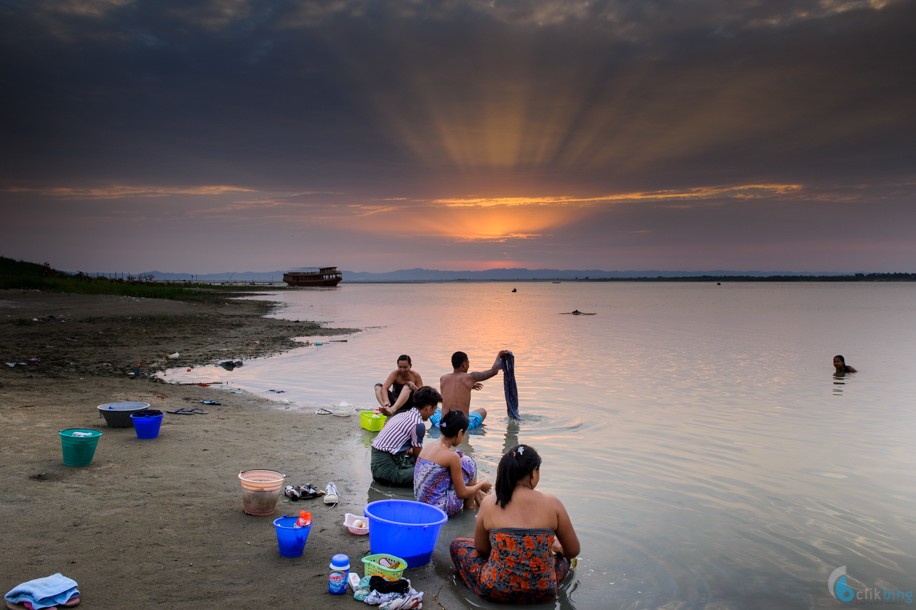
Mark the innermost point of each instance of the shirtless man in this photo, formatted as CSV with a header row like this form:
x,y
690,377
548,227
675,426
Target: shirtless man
x,y
398,388
456,387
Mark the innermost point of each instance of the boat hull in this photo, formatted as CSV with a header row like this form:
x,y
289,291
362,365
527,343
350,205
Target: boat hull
x,y
326,276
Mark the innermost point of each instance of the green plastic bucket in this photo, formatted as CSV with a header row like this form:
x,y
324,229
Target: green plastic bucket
x,y
78,445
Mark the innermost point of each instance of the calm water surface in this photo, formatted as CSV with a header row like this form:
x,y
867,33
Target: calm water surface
x,y
695,432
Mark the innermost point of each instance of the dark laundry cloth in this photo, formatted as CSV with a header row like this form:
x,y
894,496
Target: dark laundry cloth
x,y
380,584
509,386
394,392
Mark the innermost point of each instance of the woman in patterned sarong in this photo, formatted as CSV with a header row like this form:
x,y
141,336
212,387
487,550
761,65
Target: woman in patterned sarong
x,y
523,540
443,475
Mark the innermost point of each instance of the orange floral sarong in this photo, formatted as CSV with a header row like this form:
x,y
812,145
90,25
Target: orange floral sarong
x,y
521,568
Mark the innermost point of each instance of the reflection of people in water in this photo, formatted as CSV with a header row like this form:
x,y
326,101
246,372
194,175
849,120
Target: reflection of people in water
x,y
839,363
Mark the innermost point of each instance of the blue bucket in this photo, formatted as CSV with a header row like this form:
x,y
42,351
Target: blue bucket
x,y
404,528
291,539
147,422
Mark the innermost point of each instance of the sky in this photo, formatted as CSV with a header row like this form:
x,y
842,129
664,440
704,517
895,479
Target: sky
x,y
235,135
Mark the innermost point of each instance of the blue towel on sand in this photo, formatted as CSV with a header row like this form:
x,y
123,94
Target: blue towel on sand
x,y
509,386
45,592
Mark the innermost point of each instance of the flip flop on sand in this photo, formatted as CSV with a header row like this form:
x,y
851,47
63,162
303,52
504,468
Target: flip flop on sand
x,y
73,601
323,411
302,492
194,411
308,492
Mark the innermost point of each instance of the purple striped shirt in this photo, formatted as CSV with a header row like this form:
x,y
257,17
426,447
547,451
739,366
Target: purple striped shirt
x,y
401,432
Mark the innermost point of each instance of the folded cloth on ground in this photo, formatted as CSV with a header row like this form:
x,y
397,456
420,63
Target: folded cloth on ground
x,y
392,601
410,598
404,602
44,592
73,601
383,585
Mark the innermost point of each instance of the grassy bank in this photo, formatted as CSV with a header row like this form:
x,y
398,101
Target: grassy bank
x,y
33,276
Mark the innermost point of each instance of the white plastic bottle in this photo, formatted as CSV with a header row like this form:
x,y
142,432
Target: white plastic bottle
x,y
337,575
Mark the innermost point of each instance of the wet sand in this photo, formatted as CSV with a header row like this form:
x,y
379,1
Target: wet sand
x,y
159,523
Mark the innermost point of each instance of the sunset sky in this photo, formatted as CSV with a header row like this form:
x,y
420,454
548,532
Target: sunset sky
x,y
236,135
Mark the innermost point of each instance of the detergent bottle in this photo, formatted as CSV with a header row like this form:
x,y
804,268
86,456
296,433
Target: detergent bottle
x,y
337,576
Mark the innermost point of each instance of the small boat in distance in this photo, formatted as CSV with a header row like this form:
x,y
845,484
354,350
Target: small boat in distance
x,y
313,276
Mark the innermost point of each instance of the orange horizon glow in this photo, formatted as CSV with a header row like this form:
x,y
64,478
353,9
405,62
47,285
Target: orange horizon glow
x,y
465,219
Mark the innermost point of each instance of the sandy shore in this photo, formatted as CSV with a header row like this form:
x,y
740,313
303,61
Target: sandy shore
x,y
159,523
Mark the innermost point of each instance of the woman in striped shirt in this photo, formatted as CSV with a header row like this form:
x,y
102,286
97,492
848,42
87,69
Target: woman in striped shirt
x,y
395,449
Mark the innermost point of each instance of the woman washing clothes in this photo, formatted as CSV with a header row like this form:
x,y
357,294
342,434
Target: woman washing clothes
x,y
523,539
444,477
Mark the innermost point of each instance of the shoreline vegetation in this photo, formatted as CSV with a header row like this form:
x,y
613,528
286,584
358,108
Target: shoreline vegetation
x,y
136,328
20,274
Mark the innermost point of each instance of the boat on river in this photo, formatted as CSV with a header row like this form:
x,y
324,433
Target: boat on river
x,y
314,276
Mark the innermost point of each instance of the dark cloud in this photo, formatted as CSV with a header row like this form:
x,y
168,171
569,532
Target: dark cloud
x,y
457,98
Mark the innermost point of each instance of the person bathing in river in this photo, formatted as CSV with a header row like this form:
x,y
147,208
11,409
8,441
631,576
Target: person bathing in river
x,y
444,476
456,388
395,449
524,540
399,386
839,363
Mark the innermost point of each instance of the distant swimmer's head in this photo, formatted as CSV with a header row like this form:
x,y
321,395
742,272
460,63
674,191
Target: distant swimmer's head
x,y
453,424
839,363
458,359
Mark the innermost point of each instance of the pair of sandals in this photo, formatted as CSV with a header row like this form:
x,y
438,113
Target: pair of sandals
x,y
307,492
301,492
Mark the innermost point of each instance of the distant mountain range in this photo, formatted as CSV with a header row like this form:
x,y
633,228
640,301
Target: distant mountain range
x,y
434,275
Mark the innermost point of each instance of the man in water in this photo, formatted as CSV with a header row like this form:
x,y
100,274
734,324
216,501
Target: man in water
x,y
456,387
398,389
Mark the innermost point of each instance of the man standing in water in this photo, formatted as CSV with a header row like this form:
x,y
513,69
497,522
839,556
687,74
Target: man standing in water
x,y
456,387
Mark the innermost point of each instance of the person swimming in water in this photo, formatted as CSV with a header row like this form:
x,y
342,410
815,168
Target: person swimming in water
x,y
839,363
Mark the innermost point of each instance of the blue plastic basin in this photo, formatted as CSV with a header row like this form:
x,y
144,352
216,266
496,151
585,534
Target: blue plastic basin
x,y
405,529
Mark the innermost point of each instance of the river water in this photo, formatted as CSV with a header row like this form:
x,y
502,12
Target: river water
x,y
696,433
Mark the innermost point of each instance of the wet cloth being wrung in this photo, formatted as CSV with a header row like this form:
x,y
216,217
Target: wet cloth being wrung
x,y
509,387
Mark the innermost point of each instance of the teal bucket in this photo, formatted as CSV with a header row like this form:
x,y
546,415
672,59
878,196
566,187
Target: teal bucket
x,y
78,445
